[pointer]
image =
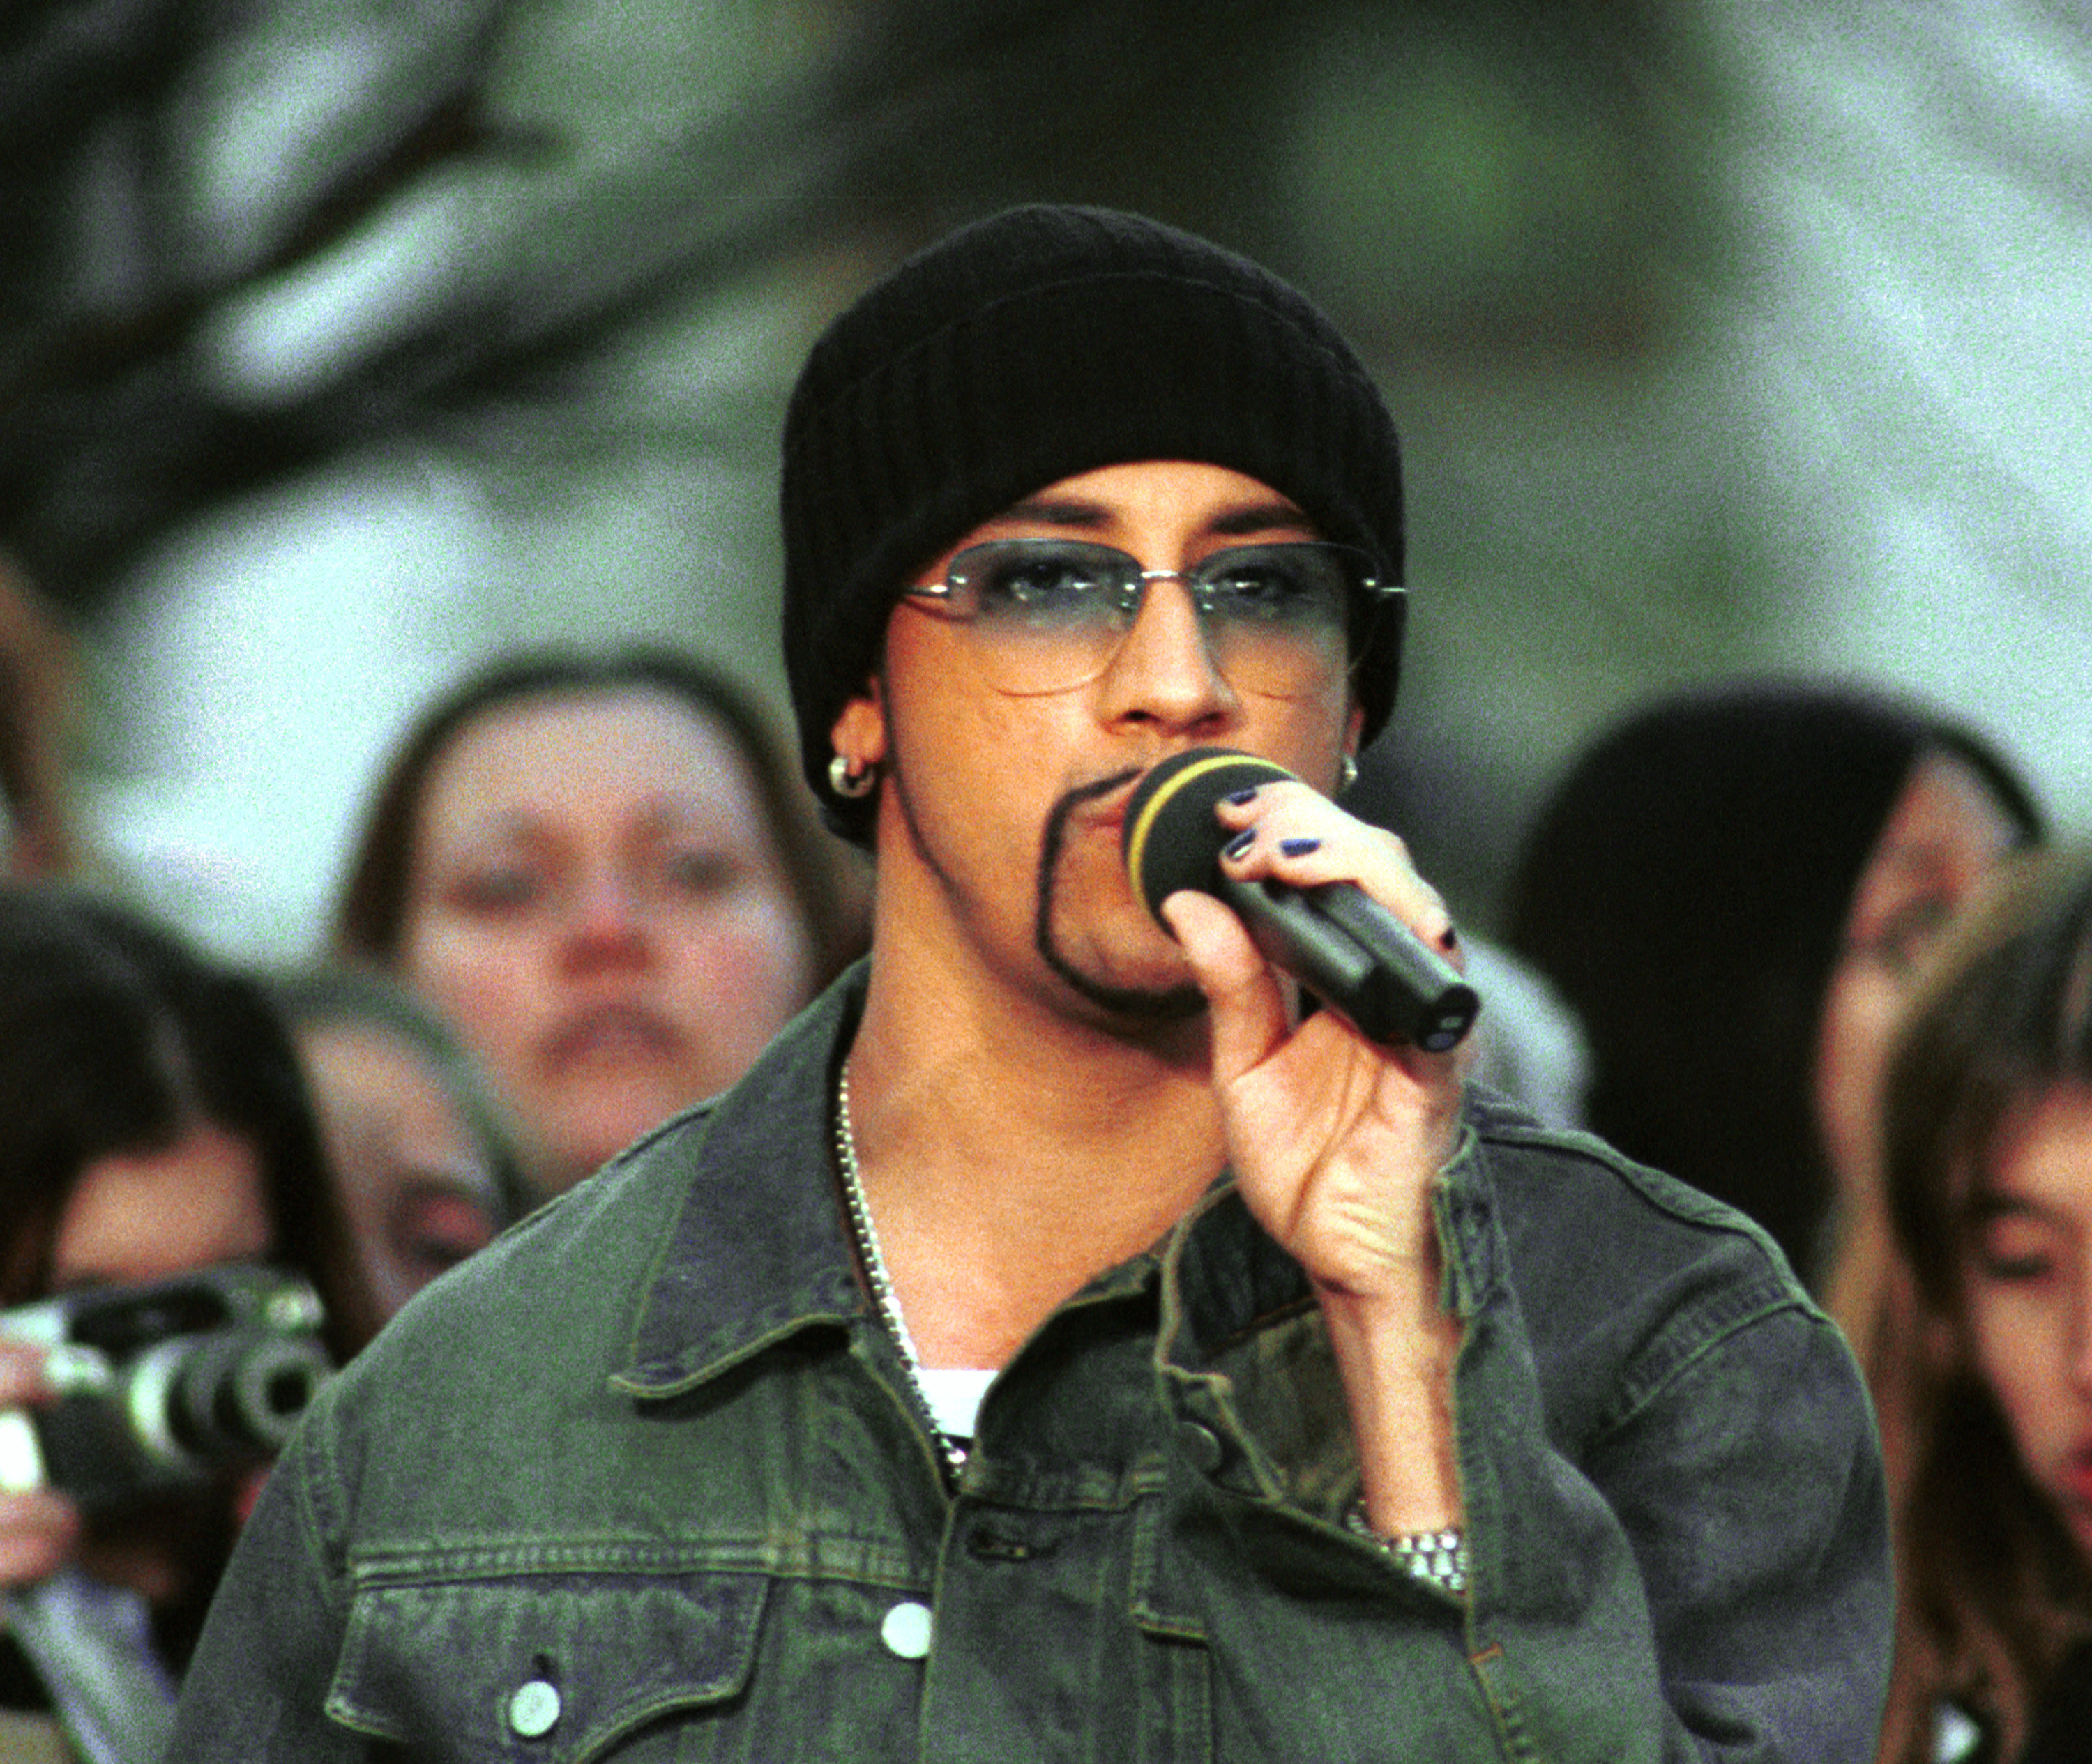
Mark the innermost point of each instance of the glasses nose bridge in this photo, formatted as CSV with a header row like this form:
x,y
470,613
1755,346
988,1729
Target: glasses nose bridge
x,y
1155,642
1133,595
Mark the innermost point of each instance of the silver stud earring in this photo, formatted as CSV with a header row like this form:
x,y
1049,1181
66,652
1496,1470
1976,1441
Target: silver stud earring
x,y
1347,773
848,784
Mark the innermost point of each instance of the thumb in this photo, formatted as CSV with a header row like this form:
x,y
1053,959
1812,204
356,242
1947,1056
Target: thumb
x,y
1246,1004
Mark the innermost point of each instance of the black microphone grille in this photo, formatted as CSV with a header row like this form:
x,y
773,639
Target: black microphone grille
x,y
1170,839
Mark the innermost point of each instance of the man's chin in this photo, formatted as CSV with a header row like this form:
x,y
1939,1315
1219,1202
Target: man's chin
x,y
1160,1000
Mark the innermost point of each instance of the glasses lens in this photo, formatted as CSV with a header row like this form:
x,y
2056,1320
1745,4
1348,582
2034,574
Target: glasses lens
x,y
1047,582
1049,613
1276,616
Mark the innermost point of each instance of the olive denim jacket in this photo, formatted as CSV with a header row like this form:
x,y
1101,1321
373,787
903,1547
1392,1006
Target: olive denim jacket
x,y
647,1481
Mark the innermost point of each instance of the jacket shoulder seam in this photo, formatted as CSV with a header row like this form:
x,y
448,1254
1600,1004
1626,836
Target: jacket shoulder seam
x,y
1734,1312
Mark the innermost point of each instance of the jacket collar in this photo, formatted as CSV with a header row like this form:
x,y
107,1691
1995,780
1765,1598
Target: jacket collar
x,y
758,1249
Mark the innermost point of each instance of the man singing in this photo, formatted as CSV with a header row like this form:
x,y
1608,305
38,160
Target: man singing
x,y
1059,1346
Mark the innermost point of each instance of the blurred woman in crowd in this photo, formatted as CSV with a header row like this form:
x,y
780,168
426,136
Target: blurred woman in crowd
x,y
423,1169
1987,1402
153,1122
1732,891
606,876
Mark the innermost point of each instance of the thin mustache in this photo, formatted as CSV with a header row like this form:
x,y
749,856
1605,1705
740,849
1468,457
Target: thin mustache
x,y
1055,835
1074,799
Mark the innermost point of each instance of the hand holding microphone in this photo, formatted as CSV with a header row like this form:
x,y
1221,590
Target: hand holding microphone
x,y
1346,949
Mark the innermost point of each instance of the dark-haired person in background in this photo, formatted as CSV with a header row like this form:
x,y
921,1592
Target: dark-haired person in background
x,y
1733,889
154,1121
1057,1346
602,873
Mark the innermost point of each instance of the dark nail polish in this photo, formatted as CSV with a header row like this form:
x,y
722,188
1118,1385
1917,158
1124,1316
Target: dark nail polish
x,y
1449,939
1298,848
1242,798
1240,844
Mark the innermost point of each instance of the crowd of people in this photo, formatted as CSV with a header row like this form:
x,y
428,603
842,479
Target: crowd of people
x,y
1055,1333
589,888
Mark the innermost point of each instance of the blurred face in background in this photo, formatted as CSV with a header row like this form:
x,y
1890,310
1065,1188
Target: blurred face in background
x,y
134,1217
596,906
2027,1275
416,1183
1943,840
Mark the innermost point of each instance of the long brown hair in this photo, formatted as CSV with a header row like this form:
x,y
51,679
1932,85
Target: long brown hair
x,y
1993,1591
371,922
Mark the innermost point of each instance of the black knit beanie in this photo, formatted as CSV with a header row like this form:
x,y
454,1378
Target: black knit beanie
x,y
1025,348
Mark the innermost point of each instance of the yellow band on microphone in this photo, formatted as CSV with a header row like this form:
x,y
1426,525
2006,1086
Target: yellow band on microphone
x,y
1136,838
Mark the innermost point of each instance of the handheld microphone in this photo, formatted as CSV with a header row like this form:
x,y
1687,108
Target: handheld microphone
x,y
1341,944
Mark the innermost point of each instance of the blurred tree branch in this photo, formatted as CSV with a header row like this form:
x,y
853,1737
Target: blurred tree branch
x,y
117,419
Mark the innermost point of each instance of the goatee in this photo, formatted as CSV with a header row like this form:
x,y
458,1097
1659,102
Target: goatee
x,y
1147,1004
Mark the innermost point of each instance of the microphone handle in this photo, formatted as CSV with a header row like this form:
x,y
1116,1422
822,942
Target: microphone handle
x,y
1356,956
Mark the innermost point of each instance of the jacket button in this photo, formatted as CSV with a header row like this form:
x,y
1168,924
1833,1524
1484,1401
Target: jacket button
x,y
906,1630
534,1709
1200,1444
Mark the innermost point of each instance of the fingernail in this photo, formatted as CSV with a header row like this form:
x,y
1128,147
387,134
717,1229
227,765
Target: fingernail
x,y
1298,848
1449,939
1241,843
1243,798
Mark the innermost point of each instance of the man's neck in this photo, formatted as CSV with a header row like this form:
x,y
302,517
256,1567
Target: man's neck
x,y
1010,1149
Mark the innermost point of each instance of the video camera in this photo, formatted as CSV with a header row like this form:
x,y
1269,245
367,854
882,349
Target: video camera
x,y
163,1387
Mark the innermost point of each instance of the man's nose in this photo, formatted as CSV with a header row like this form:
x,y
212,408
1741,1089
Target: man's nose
x,y
1164,671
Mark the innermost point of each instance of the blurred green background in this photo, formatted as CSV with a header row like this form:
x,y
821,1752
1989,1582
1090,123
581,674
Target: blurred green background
x,y
343,342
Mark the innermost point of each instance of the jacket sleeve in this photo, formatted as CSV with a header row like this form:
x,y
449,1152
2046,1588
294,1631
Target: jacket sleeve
x,y
1750,1489
256,1691
1689,1559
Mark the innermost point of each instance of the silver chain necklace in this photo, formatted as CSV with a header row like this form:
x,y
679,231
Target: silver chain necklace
x,y
876,1272
1439,1559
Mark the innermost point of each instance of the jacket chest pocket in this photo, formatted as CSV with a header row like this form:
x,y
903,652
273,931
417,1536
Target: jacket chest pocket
x,y
542,1668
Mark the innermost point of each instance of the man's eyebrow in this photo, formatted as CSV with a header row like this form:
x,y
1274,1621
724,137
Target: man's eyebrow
x,y
1057,512
1068,512
1260,517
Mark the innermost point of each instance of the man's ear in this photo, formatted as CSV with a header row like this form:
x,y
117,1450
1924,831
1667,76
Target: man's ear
x,y
859,733
1353,725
